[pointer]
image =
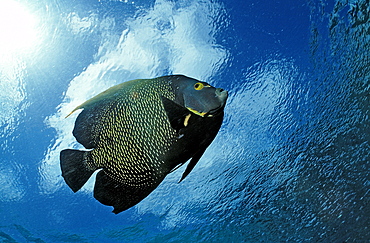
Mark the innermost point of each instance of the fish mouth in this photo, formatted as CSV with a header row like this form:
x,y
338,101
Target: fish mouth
x,y
222,96
214,111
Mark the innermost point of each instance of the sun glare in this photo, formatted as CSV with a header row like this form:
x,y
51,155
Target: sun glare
x,y
17,28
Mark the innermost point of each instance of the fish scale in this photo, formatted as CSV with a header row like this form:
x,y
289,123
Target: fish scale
x,y
140,131
135,157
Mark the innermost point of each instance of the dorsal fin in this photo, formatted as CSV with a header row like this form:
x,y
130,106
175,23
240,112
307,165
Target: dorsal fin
x,y
108,94
88,120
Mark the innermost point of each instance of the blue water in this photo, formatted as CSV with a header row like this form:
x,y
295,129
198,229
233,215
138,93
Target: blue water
x,y
290,164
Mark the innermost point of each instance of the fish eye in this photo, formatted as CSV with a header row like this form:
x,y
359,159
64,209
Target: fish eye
x,y
198,86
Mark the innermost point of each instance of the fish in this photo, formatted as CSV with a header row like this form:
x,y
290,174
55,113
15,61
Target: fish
x,y
139,131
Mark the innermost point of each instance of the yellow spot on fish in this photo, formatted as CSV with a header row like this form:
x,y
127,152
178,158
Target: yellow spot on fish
x,y
186,121
135,95
72,112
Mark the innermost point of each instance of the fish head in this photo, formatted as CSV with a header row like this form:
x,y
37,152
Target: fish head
x,y
199,97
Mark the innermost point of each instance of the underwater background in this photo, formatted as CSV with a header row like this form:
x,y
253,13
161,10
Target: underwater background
x,y
290,164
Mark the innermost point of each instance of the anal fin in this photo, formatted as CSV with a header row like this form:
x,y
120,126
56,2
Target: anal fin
x,y
112,193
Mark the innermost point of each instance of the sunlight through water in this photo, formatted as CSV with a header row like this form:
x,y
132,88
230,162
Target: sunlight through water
x,y
19,38
291,162
17,28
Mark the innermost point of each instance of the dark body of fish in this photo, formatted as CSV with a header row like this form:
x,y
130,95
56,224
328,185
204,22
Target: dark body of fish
x,y
140,131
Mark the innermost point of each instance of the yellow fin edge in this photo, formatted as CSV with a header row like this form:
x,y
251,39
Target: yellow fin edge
x,y
202,114
75,109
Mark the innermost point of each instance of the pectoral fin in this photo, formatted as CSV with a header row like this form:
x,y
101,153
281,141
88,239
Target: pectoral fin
x,y
177,114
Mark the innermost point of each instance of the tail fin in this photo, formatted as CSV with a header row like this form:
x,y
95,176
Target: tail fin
x,y
74,169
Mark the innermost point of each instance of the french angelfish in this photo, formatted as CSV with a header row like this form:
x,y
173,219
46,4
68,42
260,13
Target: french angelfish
x,y
139,131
